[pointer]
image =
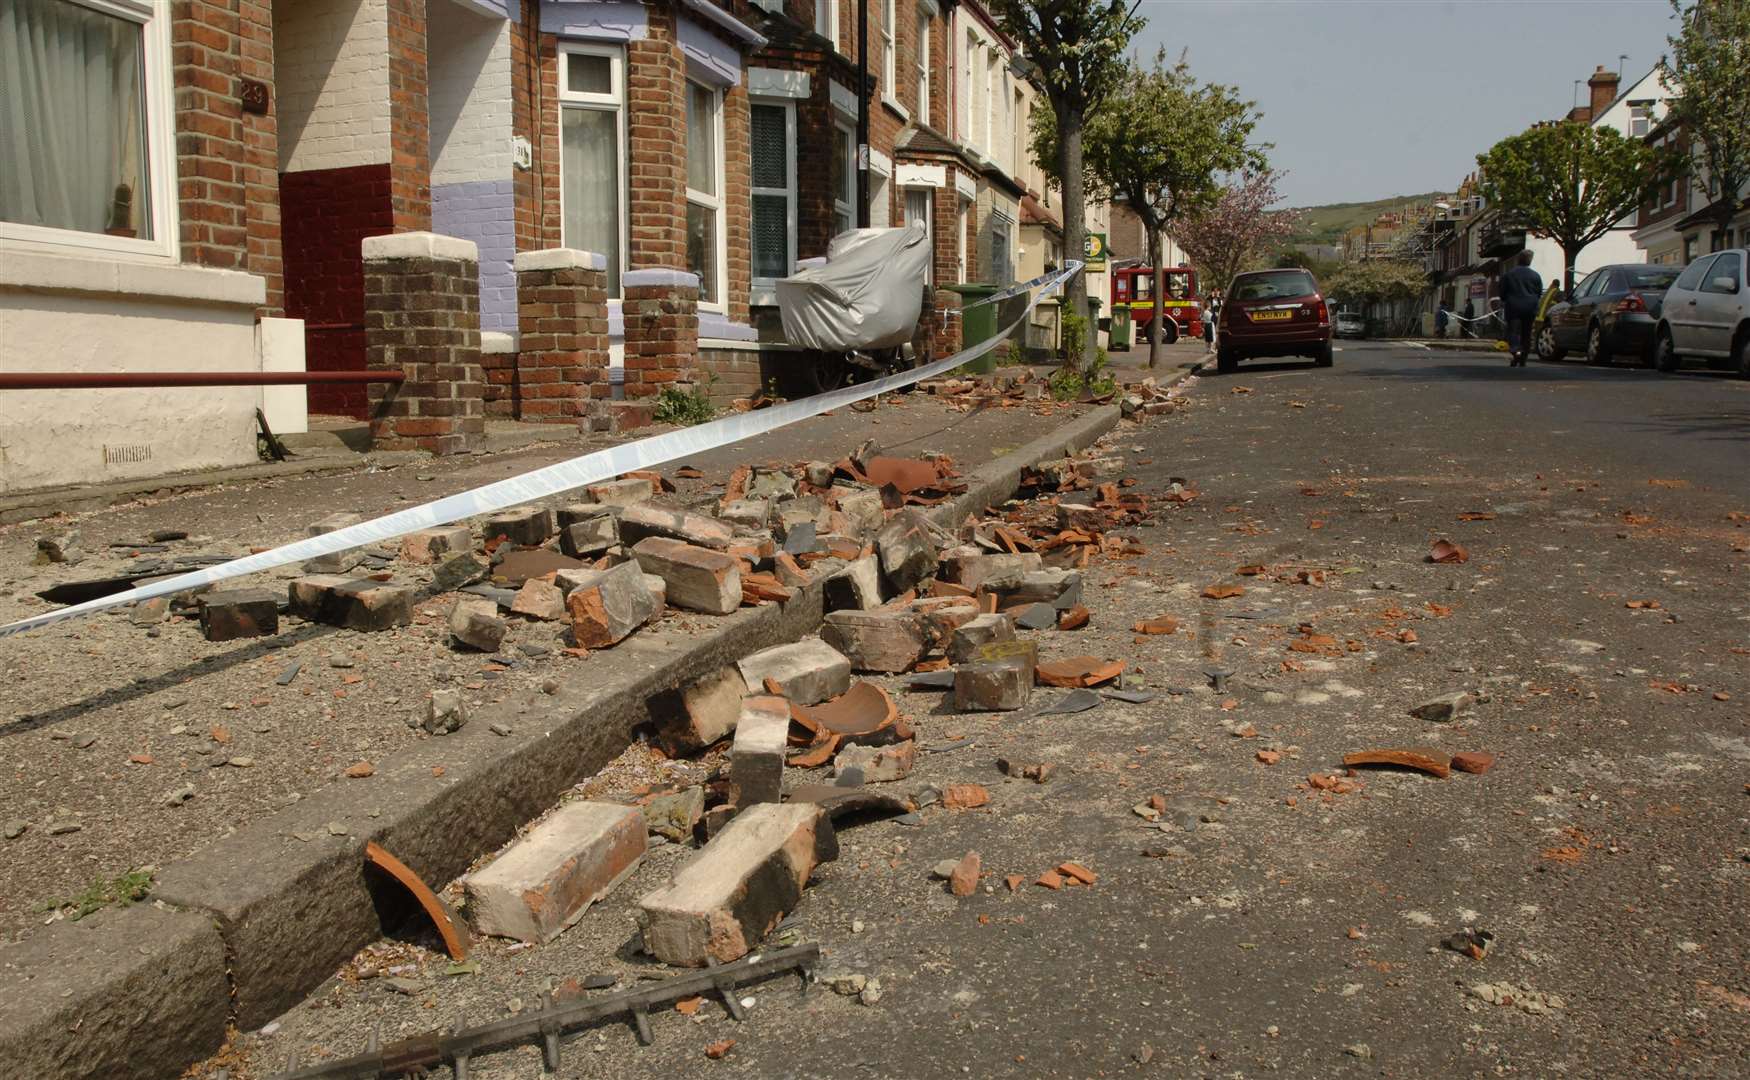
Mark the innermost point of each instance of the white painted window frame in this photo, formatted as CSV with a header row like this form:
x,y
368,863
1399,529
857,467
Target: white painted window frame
x,y
921,61
844,201
614,101
889,55
714,202
764,288
160,148
826,22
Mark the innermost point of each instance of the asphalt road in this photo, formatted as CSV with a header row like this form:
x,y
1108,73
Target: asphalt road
x,y
1270,925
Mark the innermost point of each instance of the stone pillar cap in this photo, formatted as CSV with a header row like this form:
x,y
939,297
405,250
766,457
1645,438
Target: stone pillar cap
x,y
560,259
659,278
420,245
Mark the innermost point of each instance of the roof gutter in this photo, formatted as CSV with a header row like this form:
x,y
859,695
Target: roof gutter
x,y
726,22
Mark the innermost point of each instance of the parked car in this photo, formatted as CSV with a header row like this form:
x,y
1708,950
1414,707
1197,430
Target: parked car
x,y
1612,312
1707,313
1273,313
1349,324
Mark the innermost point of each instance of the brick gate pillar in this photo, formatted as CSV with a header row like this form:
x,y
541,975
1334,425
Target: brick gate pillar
x,y
422,315
661,311
562,313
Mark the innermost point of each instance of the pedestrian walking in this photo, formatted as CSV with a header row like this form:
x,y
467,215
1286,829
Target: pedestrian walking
x,y
1441,318
1470,316
1209,322
1521,291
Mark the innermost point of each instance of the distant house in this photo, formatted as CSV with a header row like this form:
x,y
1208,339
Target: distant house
x,y
1680,223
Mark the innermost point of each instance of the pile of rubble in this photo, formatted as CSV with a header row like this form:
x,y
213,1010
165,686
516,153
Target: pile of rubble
x,y
902,596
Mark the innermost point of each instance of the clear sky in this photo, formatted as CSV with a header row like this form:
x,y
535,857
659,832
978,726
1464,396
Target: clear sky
x,y
1370,98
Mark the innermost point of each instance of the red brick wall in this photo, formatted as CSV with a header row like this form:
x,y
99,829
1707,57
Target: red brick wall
x,y
737,201
260,160
209,133
535,116
409,122
328,213
422,315
563,318
656,128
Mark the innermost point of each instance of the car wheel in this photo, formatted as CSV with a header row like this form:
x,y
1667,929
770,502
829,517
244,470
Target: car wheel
x,y
1226,361
1547,349
1169,332
1741,352
827,373
1665,356
1595,351
1325,357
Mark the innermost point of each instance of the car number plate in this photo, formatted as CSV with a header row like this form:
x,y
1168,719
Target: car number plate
x,y
1270,316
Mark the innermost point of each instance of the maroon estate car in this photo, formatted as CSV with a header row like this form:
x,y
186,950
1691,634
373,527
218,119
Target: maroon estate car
x,y
1273,313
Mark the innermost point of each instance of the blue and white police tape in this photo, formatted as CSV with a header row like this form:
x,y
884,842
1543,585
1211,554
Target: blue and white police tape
x,y
551,480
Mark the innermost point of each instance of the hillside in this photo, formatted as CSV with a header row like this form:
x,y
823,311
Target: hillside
x,y
1324,224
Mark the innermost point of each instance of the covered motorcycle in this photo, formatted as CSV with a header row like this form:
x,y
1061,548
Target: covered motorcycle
x,y
865,298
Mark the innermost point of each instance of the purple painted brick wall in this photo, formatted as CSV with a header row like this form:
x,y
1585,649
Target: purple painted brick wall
x,y
484,211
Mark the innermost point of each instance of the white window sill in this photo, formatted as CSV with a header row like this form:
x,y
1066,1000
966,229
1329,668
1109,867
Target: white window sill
x,y
763,296
105,275
896,108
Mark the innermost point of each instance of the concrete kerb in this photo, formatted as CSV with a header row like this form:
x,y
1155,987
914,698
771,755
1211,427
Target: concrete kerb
x,y
290,895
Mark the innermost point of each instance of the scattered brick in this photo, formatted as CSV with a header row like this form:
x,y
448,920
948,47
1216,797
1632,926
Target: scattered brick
x,y
551,875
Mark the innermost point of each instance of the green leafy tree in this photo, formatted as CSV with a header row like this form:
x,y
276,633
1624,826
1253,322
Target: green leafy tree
x,y
1570,181
1160,147
1376,281
1078,47
1234,231
1709,69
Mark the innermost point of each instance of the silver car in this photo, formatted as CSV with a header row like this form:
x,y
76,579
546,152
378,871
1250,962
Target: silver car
x,y
1349,324
1707,313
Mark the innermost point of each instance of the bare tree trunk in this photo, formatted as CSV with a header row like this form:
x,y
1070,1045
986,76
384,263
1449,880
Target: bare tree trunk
x,y
1158,285
1570,256
1075,224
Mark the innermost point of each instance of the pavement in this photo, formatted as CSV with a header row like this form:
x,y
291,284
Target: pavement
x,y
1279,913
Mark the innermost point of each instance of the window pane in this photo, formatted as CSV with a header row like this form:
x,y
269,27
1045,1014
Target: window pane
x,y
73,119
586,74
591,172
771,164
771,236
701,139
702,249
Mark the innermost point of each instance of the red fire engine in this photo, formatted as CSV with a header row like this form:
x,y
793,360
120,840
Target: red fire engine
x,y
1133,287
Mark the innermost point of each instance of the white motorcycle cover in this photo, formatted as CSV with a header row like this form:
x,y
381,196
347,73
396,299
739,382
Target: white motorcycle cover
x,y
867,295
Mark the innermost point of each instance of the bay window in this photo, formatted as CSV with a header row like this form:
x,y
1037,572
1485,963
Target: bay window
x,y
774,190
826,21
592,137
889,56
921,56
86,158
918,206
705,190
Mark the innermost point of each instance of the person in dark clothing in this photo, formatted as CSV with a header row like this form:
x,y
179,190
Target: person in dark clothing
x,y
1470,315
1521,290
1441,318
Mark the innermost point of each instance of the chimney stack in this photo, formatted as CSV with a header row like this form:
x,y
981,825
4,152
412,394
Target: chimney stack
x,y
1603,85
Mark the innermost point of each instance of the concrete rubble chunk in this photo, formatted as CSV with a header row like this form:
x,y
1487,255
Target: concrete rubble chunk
x,y
731,894
993,572
152,612
856,587
673,814
445,712
709,709
756,758
428,546
550,876
877,764
1062,589
239,613
525,526
885,639
589,535
993,685
540,600
643,520
610,604
338,562
971,636
862,507
1445,708
770,484
747,513
626,492
942,615
475,623
807,672
819,473
698,579
803,510
908,552
57,549
572,513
